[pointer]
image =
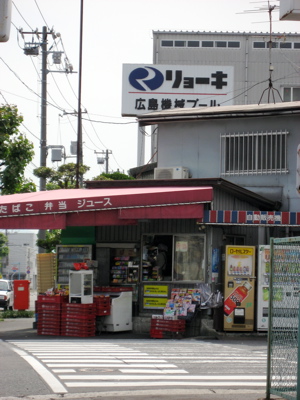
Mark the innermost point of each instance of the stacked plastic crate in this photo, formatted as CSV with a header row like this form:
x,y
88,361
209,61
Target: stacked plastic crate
x,y
48,309
46,271
78,320
164,328
103,305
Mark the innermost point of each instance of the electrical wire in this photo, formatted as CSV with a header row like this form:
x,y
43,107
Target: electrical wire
x,y
41,13
31,90
22,16
110,123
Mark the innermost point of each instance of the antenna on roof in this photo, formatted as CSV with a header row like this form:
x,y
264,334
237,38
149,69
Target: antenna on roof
x,y
270,88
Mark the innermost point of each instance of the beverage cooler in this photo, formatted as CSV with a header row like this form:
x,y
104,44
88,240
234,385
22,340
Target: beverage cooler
x,y
239,288
263,278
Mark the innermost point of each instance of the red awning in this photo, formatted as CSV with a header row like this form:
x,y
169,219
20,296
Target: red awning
x,y
108,206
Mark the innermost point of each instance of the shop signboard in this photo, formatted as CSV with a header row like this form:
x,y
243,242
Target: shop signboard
x,y
155,302
156,87
156,290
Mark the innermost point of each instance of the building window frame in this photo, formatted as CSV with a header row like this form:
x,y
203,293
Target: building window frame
x,y
254,153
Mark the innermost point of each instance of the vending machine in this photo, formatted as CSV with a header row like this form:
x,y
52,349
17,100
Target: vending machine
x,y
263,278
239,288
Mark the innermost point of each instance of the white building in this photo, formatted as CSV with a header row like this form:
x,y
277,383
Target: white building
x,y
21,260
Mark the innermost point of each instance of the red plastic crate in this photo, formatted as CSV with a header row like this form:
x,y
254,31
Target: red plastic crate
x,y
48,318
76,306
52,299
102,301
78,324
100,311
48,306
71,315
49,324
78,334
112,289
46,331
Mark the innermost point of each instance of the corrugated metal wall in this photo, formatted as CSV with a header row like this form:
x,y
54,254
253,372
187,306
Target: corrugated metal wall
x,y
251,65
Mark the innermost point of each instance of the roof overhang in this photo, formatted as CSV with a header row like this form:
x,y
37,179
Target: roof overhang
x,y
57,209
223,112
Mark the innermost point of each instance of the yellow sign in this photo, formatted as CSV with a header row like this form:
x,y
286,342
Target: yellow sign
x,y
240,251
154,302
156,290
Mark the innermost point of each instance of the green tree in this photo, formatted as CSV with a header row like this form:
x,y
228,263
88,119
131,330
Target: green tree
x,y
15,153
114,176
4,250
64,177
51,240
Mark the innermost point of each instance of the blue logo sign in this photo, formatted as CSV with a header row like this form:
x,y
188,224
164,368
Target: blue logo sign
x,y
139,76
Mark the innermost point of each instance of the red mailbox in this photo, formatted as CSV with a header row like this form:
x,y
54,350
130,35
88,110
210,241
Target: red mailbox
x,y
21,294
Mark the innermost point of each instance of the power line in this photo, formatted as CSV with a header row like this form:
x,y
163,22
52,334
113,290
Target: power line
x,y
22,16
41,13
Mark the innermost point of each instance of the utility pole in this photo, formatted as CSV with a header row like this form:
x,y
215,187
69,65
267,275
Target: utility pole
x,y
79,125
106,152
32,49
43,152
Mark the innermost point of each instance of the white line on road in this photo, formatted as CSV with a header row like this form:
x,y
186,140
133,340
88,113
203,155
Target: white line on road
x,y
119,365
171,383
153,371
49,378
162,377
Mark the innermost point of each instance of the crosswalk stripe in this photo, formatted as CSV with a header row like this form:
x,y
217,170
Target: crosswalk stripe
x,y
166,383
125,377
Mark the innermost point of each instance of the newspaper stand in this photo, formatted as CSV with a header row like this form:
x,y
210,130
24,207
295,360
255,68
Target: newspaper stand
x,y
78,320
167,329
48,310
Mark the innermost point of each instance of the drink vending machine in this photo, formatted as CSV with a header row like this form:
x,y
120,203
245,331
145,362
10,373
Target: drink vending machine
x,y
239,288
263,281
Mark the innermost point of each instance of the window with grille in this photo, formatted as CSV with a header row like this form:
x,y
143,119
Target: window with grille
x,y
254,153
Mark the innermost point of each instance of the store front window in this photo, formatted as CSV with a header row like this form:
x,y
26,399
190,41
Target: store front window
x,y
173,258
189,258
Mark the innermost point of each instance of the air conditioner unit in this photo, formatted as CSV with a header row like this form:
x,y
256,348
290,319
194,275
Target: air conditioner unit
x,y
171,173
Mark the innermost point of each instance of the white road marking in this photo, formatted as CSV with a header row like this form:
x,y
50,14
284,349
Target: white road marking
x,y
107,377
153,371
172,383
63,370
116,365
48,377
99,359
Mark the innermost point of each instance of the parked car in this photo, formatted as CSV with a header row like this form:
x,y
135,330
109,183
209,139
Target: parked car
x,y
6,294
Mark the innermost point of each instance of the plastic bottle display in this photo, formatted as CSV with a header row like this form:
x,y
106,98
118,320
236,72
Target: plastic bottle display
x,y
236,297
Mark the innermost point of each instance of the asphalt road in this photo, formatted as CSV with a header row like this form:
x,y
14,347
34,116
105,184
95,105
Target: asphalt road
x,y
230,368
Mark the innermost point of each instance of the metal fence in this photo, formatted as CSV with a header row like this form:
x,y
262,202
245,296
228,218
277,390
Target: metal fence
x,y
283,338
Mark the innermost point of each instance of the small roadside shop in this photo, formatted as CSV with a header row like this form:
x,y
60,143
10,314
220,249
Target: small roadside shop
x,y
148,238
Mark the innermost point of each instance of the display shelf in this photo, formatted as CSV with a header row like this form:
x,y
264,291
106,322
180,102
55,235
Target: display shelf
x,y
81,287
66,256
124,266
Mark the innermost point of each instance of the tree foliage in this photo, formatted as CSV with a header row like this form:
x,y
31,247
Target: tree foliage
x,y
64,177
114,176
52,239
4,250
15,153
